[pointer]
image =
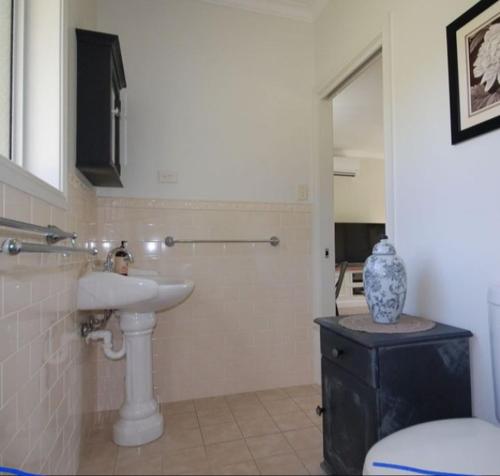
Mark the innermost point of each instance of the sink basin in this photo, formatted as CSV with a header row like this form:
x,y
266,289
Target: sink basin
x,y
142,292
137,297
171,292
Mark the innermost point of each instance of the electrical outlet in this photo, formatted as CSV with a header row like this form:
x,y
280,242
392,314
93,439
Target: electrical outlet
x,y
302,193
166,176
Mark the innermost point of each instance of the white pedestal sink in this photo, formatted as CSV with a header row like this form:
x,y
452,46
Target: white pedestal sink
x,y
137,298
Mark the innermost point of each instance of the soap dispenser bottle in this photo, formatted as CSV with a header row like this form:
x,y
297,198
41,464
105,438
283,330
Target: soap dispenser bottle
x,y
122,259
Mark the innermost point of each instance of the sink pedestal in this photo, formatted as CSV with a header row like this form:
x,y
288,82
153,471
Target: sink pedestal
x,y
136,298
140,420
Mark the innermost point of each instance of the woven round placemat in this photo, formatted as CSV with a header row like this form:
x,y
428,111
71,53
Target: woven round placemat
x,y
364,323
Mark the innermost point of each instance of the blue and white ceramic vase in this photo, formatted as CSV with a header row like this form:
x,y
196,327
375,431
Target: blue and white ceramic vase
x,y
384,279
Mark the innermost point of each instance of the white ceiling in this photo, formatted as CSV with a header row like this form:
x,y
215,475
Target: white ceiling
x,y
358,121
305,10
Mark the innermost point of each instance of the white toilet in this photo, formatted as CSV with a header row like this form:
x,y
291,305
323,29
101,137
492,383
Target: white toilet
x,y
462,446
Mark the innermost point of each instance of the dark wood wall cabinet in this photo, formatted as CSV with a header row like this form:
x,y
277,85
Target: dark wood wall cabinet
x,y
100,77
376,384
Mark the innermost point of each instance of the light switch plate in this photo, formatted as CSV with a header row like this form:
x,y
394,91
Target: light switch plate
x,y
302,192
167,176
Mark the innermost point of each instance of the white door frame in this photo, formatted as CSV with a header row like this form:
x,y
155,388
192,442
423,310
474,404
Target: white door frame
x,y
323,214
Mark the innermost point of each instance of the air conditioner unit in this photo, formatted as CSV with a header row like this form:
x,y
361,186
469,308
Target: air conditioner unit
x,y
345,166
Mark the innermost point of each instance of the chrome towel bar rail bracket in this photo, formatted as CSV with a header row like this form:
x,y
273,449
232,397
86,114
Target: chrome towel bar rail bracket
x,y
14,247
170,241
53,234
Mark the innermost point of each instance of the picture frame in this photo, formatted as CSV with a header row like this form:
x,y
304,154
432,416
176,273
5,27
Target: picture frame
x,y
473,42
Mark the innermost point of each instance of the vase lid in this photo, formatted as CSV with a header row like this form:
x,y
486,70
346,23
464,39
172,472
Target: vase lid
x,y
384,247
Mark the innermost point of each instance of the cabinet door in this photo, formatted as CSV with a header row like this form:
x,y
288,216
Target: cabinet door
x,y
349,419
115,111
433,384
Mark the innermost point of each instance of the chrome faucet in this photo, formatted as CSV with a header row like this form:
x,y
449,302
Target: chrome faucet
x,y
110,258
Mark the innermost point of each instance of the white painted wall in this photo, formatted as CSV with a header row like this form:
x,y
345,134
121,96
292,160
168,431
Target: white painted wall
x,y
446,197
81,14
361,199
219,95
358,116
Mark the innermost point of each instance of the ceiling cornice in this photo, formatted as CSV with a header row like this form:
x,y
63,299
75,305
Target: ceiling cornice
x,y
303,10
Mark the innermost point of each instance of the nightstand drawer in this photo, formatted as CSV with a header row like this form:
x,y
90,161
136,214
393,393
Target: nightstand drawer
x,y
351,356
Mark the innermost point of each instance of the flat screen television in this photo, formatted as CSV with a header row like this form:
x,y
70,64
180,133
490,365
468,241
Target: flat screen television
x,y
354,241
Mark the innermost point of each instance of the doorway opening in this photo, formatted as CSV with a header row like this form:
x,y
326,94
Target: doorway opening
x,y
359,192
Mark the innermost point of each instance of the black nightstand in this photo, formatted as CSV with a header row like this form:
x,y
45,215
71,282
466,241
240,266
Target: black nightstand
x,y
376,384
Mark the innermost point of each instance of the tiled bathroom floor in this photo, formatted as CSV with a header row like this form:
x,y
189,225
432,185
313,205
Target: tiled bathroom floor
x,y
268,432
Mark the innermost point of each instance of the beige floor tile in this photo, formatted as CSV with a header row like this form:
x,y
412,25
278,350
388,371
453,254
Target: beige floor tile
x,y
308,403
204,470
242,399
205,437
250,411
244,405
317,420
316,388
99,452
99,434
301,391
98,457
245,468
281,406
187,461
220,433
181,421
304,439
181,439
211,404
316,470
287,464
95,467
228,453
268,445
155,448
216,418
292,421
143,465
175,408
312,459
257,426
272,394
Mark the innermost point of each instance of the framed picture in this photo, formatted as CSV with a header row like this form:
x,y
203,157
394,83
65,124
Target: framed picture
x,y
474,71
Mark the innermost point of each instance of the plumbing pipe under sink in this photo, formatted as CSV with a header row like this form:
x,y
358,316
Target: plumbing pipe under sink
x,y
107,345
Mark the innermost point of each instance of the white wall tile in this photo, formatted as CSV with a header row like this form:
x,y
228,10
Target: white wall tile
x,y
8,335
39,342
231,334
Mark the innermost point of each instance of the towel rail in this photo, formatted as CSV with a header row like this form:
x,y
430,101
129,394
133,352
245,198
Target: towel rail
x,y
53,234
170,241
14,247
